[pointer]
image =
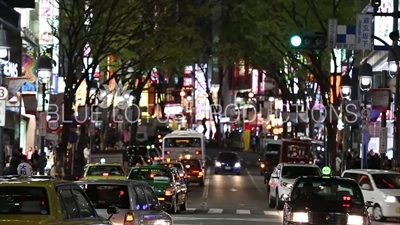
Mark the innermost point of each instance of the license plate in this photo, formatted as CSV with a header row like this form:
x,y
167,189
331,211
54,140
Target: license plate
x,y
161,199
398,209
228,168
196,171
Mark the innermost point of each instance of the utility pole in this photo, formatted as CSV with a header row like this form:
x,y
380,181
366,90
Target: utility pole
x,y
396,136
385,75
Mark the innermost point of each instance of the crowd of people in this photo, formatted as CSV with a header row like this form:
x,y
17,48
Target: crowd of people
x,y
33,163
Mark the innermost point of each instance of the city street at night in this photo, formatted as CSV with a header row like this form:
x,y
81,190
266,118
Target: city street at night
x,y
232,199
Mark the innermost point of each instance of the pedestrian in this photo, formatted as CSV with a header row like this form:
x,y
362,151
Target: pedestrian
x,y
35,158
87,153
127,168
24,168
12,168
57,171
29,153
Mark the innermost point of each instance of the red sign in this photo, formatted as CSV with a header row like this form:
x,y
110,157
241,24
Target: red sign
x,y
53,125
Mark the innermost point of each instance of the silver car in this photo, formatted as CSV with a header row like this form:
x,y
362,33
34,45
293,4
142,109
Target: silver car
x,y
136,200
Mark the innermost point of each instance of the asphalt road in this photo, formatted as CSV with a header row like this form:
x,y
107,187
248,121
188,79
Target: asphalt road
x,y
232,199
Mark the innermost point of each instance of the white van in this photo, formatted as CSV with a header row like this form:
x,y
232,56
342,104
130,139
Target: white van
x,y
382,187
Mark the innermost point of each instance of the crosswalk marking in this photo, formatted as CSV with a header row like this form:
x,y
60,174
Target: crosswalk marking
x,y
267,213
242,211
215,210
271,213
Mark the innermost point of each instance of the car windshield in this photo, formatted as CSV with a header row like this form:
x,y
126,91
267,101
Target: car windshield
x,y
192,163
102,196
327,190
153,153
273,150
227,157
136,159
176,165
24,200
292,172
182,142
387,181
101,170
148,173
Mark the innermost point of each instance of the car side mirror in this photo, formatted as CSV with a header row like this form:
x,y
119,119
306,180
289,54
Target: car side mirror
x,y
366,187
369,204
154,207
285,198
112,210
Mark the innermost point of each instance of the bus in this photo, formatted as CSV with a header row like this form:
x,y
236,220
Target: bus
x,y
296,151
184,144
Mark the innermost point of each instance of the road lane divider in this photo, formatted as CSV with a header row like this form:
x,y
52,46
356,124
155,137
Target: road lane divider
x,y
206,187
254,182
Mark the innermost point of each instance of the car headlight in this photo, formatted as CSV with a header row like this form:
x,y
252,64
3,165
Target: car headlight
x,y
237,164
355,220
390,199
298,217
217,164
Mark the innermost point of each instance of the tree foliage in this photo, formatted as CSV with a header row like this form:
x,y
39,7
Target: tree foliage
x,y
262,29
138,34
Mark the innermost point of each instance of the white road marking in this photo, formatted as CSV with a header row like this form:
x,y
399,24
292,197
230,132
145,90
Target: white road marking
x,y
270,220
206,186
214,211
243,211
271,213
254,182
190,209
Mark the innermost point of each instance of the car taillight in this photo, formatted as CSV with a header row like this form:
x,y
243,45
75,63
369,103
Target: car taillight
x,y
346,201
156,158
77,178
198,152
167,152
201,173
168,191
129,219
105,174
187,166
262,165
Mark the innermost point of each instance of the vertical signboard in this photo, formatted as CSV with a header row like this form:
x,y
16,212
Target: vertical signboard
x,y
383,25
42,124
45,22
2,113
364,32
332,32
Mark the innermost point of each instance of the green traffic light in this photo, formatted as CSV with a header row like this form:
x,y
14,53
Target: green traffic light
x,y
295,41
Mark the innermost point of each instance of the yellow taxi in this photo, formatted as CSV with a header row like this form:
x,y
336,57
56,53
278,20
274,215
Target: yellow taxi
x,y
103,170
46,200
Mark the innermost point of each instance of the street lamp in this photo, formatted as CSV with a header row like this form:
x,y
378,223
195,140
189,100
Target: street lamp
x,y
345,93
393,61
5,56
365,82
44,71
345,87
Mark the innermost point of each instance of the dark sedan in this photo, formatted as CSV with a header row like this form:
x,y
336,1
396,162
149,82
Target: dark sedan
x,y
228,162
325,200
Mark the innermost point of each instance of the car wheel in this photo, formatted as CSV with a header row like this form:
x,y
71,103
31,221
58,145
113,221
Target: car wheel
x,y
378,214
271,201
278,204
183,207
215,172
238,173
201,183
261,173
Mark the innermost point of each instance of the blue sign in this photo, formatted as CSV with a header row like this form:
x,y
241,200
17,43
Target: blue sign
x,y
27,87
